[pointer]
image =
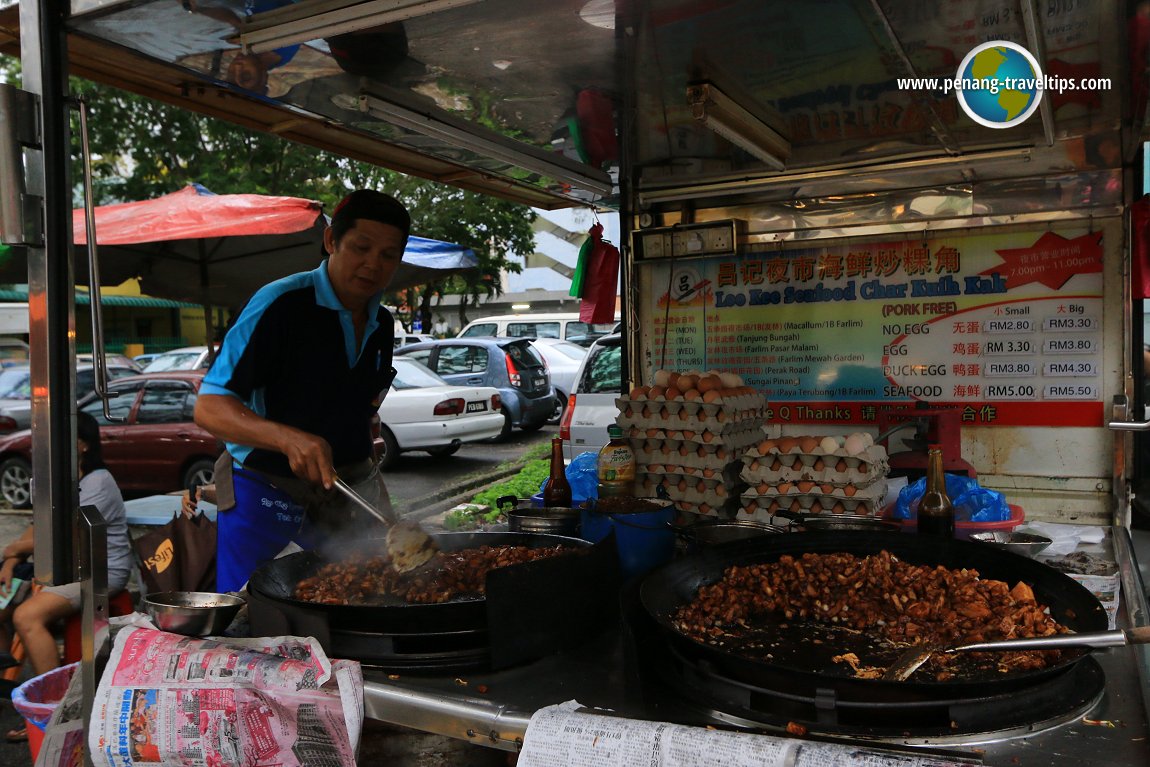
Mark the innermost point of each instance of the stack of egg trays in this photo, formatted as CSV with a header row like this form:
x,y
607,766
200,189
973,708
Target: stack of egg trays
x,y
813,483
690,451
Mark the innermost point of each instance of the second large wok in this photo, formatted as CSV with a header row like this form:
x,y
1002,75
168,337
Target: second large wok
x,y
808,650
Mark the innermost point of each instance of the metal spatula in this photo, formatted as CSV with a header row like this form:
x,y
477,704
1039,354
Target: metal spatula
x,y
909,662
408,545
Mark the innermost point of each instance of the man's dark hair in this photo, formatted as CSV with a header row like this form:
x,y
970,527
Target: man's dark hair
x,y
372,205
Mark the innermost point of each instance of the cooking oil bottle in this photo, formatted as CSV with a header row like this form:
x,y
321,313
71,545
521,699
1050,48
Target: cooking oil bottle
x,y
935,511
616,465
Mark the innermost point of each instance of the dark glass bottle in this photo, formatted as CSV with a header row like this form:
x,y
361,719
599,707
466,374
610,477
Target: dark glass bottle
x,y
935,511
557,491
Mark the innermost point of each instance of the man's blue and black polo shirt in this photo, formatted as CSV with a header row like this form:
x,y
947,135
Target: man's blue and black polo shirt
x,y
291,358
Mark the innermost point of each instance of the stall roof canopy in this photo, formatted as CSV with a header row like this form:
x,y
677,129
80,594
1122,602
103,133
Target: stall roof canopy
x,y
536,101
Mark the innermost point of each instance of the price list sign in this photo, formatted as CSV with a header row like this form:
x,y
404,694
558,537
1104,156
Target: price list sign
x,y
997,325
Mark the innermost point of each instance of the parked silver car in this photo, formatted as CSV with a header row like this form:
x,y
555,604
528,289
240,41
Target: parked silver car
x,y
16,390
563,359
591,407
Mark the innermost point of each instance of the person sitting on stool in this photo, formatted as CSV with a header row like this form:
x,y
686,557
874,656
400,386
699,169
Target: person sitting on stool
x,y
34,617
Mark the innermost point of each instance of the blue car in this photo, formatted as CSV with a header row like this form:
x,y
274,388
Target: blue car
x,y
510,365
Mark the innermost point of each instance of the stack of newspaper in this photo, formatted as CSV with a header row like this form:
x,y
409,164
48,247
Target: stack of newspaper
x,y
167,699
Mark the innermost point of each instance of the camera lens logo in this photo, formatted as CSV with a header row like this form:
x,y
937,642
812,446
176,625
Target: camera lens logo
x,y
1001,84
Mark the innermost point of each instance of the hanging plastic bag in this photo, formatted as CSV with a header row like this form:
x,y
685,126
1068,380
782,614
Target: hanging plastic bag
x,y
972,503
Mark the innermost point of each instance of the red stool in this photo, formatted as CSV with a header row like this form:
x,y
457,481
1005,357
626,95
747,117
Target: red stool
x,y
118,604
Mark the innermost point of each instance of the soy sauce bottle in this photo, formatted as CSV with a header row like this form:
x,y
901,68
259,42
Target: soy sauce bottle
x,y
557,490
935,511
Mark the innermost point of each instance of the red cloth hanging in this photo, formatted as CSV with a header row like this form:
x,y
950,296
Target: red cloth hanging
x,y
601,281
1140,249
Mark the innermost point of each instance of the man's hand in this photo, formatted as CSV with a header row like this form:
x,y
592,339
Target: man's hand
x,y
310,458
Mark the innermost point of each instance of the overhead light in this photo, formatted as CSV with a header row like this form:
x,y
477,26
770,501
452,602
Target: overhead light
x,y
301,22
724,116
742,184
520,307
488,143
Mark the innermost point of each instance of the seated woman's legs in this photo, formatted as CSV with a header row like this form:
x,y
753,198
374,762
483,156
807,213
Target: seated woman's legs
x,y
33,620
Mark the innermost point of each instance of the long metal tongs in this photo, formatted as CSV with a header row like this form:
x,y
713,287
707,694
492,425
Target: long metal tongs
x,y
408,545
909,662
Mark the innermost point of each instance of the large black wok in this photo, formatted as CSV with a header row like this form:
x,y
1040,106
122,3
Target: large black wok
x,y
801,662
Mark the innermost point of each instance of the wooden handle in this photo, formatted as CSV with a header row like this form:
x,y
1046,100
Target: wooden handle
x,y
1140,635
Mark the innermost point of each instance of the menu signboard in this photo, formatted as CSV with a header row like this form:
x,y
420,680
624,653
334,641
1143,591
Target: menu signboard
x,y
998,325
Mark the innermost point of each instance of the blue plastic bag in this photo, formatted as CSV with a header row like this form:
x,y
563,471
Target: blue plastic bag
x,y
583,476
972,503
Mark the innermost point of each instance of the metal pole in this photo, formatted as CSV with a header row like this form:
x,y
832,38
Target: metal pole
x,y
93,572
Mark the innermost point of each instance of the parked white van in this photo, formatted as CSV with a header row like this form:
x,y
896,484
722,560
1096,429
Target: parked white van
x,y
559,325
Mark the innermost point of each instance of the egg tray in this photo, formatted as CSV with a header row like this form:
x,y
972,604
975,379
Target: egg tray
x,y
728,478
744,403
874,454
690,423
692,499
753,474
736,440
706,510
873,492
686,454
762,508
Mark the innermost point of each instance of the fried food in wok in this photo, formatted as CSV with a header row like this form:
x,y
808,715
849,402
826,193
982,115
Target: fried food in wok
x,y
901,603
372,580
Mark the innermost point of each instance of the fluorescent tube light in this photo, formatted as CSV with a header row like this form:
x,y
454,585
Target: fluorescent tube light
x,y
301,22
520,307
724,116
488,143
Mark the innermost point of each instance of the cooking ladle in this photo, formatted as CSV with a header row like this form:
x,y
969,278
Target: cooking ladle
x,y
408,544
907,663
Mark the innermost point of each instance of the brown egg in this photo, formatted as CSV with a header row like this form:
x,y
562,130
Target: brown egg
x,y
863,467
838,508
795,505
708,383
628,412
688,434
798,464
708,437
701,486
721,417
785,444
682,485
850,490
721,491
776,465
656,392
704,508
684,415
819,465
692,395
673,393
652,432
674,434
721,453
754,465
672,378
701,452
686,382
841,465
684,450
808,444
805,486
710,395
688,470
765,446
827,489
655,468
785,487
701,416
708,473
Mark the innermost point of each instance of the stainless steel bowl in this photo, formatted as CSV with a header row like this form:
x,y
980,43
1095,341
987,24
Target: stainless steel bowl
x,y
713,533
1023,544
193,613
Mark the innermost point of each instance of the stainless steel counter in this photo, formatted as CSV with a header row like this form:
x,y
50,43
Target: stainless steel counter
x,y
493,709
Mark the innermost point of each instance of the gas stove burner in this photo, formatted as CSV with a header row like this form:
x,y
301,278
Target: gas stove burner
x,y
962,720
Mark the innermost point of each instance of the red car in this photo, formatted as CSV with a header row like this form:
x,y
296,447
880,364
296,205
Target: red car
x,y
158,448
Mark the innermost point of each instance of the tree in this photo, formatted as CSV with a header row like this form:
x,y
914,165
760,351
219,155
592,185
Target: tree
x,y
143,149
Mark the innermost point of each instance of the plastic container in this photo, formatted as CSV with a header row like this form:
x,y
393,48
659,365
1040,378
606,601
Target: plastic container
x,y
38,698
643,539
963,530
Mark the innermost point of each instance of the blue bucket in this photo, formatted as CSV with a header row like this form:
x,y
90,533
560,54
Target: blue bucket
x,y
643,539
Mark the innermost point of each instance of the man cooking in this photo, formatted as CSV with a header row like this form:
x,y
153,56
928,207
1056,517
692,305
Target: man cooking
x,y
292,392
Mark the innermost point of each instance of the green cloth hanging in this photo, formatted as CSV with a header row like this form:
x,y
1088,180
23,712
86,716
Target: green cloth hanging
x,y
581,265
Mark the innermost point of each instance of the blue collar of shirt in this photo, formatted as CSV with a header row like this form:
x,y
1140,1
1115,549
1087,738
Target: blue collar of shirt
x,y
325,296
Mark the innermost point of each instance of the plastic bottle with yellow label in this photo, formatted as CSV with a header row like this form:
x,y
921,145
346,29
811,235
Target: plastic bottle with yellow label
x,y
616,466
